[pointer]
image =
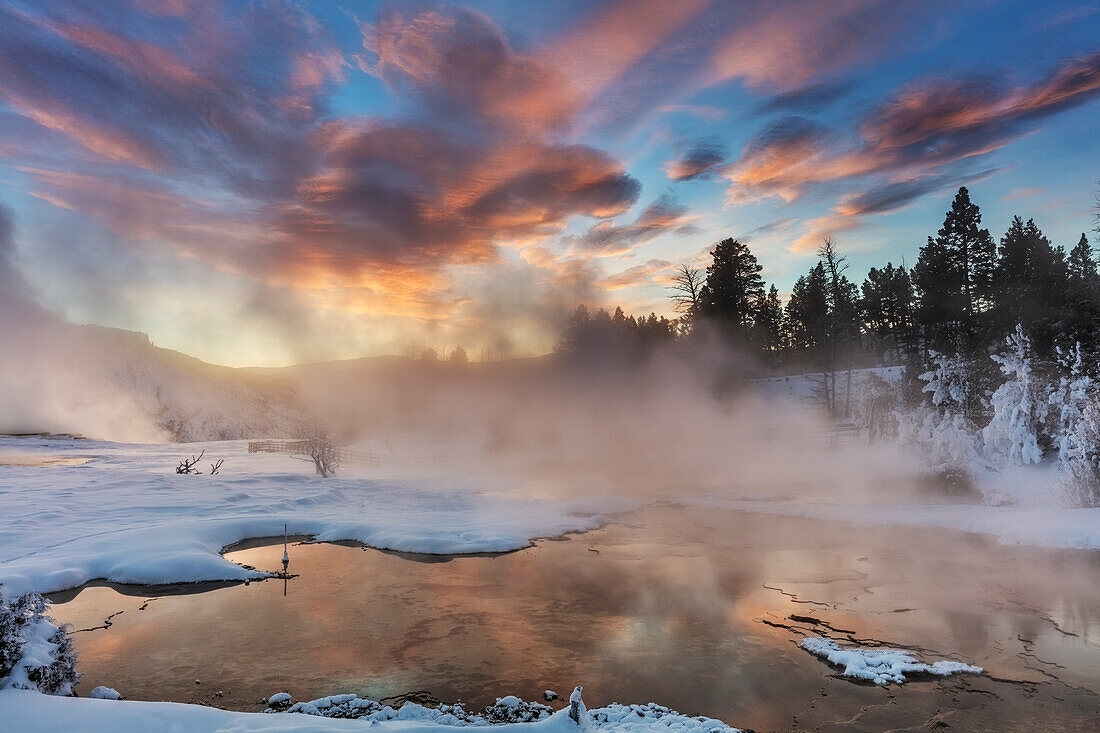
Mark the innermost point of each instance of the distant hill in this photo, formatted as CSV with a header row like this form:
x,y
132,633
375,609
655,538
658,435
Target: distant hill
x,y
114,384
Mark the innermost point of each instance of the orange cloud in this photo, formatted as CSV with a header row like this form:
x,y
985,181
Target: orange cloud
x,y
781,46
912,143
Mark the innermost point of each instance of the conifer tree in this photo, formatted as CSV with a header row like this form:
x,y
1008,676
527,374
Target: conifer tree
x,y
886,306
769,322
1031,284
1082,297
805,316
937,310
733,289
954,275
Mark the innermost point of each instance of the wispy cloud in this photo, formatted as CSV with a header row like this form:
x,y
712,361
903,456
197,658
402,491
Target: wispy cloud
x,y
605,238
697,160
928,135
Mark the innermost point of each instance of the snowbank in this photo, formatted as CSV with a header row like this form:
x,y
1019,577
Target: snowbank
x,y
25,710
880,666
127,517
509,710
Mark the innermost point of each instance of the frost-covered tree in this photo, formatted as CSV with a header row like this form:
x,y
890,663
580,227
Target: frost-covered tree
x,y
34,653
950,382
1082,478
11,638
1019,407
943,433
876,402
1068,402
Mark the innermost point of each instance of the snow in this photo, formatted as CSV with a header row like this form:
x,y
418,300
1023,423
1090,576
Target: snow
x,y
26,710
804,388
126,516
881,666
510,710
104,693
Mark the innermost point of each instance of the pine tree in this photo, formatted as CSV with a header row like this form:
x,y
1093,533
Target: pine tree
x,y
732,290
805,317
972,251
954,275
769,322
1081,264
1082,297
1031,284
937,298
886,306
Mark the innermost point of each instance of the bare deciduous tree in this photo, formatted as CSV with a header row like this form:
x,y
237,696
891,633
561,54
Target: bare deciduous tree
x,y
687,285
323,453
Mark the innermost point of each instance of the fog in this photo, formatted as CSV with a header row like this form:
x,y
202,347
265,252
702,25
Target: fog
x,y
550,425
556,426
659,425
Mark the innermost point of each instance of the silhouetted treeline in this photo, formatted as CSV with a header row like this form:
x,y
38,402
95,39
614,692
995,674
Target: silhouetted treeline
x,y
615,337
964,295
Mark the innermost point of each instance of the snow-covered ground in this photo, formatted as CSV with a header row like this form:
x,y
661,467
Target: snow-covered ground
x,y
24,710
126,516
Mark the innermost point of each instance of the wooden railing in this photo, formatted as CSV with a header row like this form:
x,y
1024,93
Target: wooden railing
x,y
831,435
346,456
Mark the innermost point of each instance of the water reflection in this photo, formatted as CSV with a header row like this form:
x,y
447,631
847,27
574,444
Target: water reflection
x,y
667,611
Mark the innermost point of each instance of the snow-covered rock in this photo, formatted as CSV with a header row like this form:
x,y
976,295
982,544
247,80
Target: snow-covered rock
x,y
104,693
279,700
881,666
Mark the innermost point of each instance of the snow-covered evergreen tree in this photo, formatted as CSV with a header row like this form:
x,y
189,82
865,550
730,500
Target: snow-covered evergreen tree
x,y
35,654
949,383
1068,403
947,442
944,434
1082,479
1019,407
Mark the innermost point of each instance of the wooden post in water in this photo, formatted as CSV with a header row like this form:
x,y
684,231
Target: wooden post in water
x,y
286,561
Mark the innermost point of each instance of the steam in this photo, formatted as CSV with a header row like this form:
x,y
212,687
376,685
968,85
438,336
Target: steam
x,y
660,429
53,375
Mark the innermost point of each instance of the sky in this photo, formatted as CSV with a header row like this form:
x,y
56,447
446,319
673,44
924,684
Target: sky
x,y
266,183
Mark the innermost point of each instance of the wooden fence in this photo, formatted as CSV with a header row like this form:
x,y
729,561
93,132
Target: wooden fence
x,y
346,456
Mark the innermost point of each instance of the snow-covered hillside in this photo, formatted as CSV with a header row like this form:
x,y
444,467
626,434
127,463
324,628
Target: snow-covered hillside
x,y
112,384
